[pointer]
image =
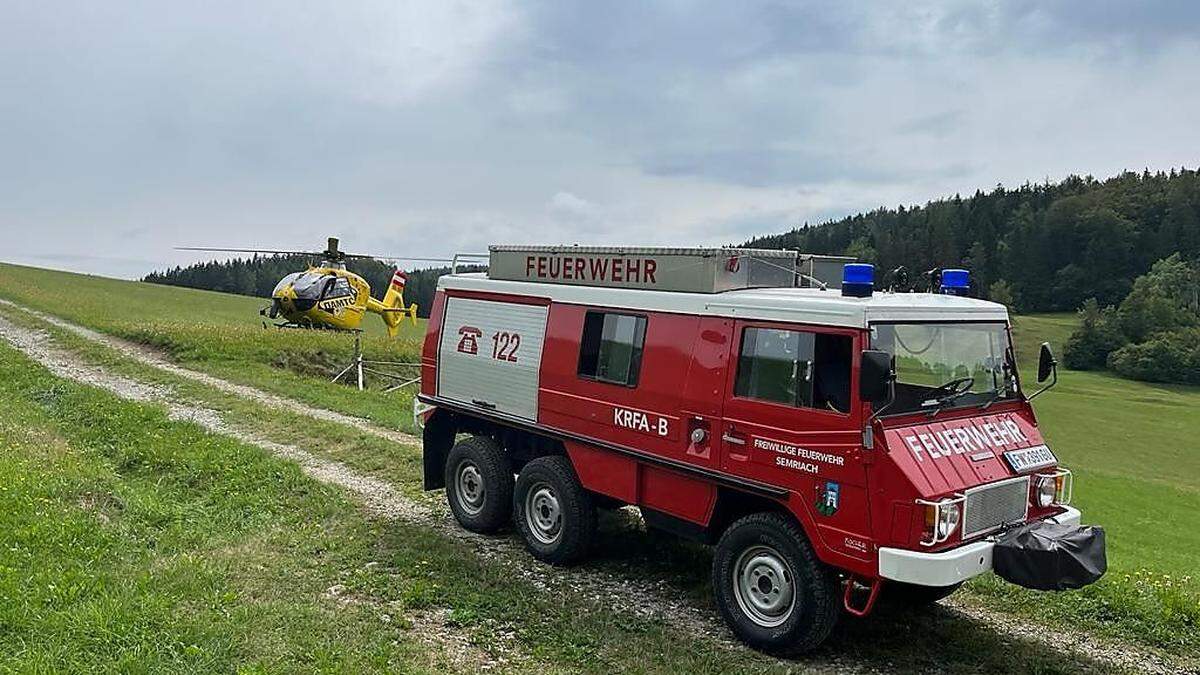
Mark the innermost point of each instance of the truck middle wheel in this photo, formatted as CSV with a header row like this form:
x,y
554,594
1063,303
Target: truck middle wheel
x,y
479,484
553,511
772,590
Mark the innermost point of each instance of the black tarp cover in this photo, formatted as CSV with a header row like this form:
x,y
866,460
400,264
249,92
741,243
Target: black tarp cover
x,y
1051,557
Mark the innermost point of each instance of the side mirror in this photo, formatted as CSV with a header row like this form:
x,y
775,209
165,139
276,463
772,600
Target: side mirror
x,y
875,377
1046,362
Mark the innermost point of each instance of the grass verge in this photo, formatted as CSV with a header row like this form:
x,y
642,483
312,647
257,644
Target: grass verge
x,y
131,542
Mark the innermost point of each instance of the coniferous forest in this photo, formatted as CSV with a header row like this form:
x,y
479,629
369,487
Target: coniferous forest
x,y
1040,248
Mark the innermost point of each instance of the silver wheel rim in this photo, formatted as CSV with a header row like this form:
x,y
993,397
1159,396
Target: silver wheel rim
x,y
469,490
543,514
764,586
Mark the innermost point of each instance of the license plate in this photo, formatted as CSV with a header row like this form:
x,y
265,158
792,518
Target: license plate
x,y
1030,459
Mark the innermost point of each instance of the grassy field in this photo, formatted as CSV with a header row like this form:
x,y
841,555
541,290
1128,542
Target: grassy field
x,y
223,334
1132,446
1134,449
162,551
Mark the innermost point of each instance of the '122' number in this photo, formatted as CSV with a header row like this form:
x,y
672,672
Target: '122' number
x,y
505,345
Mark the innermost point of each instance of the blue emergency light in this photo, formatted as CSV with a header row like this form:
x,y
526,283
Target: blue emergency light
x,y
956,282
858,280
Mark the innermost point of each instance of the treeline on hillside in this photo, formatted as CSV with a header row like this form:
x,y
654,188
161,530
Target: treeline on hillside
x,y
258,276
1046,247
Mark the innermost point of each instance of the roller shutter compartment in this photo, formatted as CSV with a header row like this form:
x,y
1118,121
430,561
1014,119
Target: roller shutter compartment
x,y
490,355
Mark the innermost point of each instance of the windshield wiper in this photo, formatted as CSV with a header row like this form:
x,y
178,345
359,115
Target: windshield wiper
x,y
940,404
997,394
957,388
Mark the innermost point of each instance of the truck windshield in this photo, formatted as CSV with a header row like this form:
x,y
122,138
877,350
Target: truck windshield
x,y
945,365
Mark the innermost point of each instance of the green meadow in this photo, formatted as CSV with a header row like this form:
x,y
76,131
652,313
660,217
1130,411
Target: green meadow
x,y
1132,446
224,335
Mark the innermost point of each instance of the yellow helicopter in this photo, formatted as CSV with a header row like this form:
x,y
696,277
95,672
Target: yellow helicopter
x,y
329,296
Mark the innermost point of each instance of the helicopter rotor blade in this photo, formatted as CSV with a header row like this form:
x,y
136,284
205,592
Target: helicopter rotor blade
x,y
397,257
332,250
245,250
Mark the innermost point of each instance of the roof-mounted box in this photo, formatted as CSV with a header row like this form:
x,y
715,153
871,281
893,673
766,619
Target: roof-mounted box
x,y
692,270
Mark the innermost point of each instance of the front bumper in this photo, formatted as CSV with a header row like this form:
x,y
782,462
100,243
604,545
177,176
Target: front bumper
x,y
946,568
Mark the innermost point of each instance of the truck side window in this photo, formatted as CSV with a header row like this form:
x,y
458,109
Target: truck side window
x,y
803,369
611,347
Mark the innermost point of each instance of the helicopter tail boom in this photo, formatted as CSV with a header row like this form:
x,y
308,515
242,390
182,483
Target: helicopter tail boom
x,y
393,304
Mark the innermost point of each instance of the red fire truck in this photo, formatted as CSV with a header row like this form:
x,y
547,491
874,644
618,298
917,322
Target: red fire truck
x,y
835,442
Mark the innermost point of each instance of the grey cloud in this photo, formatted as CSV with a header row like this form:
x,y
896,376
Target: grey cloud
x,y
127,127
937,124
761,166
1116,27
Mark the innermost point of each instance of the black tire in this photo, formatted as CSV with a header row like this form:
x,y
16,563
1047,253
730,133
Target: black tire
x,y
479,484
896,595
770,587
553,512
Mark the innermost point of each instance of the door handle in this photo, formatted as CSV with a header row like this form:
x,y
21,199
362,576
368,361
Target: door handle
x,y
730,438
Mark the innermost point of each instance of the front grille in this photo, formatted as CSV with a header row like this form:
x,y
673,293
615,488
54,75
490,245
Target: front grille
x,y
987,507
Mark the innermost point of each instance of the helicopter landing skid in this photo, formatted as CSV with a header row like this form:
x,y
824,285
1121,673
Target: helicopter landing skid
x,y
308,326
361,366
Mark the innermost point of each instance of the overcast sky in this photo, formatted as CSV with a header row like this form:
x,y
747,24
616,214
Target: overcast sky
x,y
425,128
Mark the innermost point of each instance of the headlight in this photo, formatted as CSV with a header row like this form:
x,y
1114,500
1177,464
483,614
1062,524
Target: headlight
x,y
1046,491
1054,488
941,519
947,520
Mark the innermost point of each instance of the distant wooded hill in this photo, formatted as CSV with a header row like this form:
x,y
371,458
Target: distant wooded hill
x,y
1045,247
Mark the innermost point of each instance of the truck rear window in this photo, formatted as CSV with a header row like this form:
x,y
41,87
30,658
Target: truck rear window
x,y
611,347
797,368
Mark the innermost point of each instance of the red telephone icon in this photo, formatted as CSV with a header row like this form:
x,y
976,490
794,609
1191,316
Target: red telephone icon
x,y
468,344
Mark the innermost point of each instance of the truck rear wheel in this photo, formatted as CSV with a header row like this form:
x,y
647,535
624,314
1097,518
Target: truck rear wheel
x,y
553,511
479,484
771,588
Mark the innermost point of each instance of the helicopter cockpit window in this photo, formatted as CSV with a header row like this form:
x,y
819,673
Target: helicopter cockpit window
x,y
308,286
283,283
337,287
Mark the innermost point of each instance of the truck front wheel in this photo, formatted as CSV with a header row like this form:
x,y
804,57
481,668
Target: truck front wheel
x,y
553,511
771,588
479,484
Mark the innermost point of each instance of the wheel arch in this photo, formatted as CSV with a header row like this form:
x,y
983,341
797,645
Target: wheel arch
x,y
733,504
444,426
437,437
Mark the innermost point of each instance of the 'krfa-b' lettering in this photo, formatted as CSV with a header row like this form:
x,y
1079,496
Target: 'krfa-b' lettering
x,y
640,421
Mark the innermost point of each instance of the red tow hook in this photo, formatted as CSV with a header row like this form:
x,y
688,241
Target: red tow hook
x,y
872,595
